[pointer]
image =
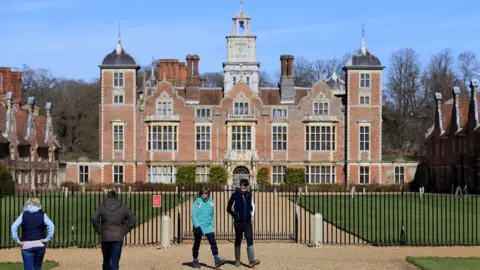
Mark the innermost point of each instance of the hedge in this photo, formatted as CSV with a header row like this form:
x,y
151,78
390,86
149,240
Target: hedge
x,y
295,176
263,177
7,184
186,175
218,175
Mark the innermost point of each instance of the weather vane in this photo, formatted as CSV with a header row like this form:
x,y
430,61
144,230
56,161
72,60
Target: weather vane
x,y
119,32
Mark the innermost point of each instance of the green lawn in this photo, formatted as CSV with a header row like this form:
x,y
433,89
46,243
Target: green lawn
x,y
376,218
447,263
71,215
19,266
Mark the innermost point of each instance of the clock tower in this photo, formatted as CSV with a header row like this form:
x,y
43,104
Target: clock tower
x,y
241,64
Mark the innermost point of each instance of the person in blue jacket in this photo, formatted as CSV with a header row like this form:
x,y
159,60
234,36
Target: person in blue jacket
x,y
33,222
204,224
242,208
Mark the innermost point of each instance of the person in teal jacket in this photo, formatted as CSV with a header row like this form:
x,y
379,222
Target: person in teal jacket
x,y
204,224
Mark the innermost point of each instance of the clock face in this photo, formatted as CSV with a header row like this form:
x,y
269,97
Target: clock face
x,y
241,49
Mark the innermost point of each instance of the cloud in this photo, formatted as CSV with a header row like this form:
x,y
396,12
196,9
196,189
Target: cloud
x,y
21,6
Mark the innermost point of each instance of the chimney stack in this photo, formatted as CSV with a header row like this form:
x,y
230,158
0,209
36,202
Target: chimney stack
x,y
283,65
439,99
290,66
195,58
48,112
175,70
287,88
474,96
162,69
183,73
456,95
31,114
189,66
9,111
169,70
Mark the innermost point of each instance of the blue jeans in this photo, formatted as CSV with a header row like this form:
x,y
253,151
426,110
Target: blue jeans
x,y
111,252
33,258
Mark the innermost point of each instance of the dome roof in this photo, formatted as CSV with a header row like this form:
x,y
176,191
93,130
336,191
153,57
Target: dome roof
x,y
363,58
118,58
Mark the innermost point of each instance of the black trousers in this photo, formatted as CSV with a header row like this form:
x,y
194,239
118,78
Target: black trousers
x,y
198,238
243,228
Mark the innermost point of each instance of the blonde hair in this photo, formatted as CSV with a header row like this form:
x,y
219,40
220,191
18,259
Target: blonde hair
x,y
33,201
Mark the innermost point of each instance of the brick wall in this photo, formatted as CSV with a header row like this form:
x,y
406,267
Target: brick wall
x,y
296,156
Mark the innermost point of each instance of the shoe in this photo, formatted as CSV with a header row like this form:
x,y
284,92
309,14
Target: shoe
x,y
238,264
252,264
195,264
219,261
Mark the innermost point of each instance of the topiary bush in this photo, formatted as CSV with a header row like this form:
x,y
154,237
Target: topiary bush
x,y
218,176
7,184
295,176
186,175
263,177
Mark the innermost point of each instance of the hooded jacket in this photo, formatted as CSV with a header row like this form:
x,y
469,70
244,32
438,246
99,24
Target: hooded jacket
x,y
113,220
33,222
203,215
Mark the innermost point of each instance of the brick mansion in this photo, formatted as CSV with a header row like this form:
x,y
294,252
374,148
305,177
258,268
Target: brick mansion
x,y
331,129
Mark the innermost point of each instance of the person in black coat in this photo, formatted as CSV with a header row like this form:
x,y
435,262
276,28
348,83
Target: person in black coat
x,y
112,220
242,208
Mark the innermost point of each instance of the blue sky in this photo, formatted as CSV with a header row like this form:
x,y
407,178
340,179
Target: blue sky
x,y
71,37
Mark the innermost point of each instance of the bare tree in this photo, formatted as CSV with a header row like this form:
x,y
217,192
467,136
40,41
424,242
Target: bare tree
x,y
264,79
307,73
468,67
213,79
404,84
439,76
37,83
303,72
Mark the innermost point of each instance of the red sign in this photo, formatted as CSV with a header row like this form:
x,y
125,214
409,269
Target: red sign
x,y
157,201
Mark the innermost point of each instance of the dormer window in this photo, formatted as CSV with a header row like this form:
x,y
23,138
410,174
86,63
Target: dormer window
x,y
320,108
118,79
240,107
164,107
365,80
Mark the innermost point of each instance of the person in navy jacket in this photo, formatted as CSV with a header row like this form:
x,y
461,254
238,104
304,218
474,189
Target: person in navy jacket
x,y
242,208
33,222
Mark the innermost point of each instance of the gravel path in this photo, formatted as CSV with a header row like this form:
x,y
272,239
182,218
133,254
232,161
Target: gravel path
x,y
272,256
274,219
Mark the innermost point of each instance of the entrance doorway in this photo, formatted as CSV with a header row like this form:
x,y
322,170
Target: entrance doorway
x,y
240,173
